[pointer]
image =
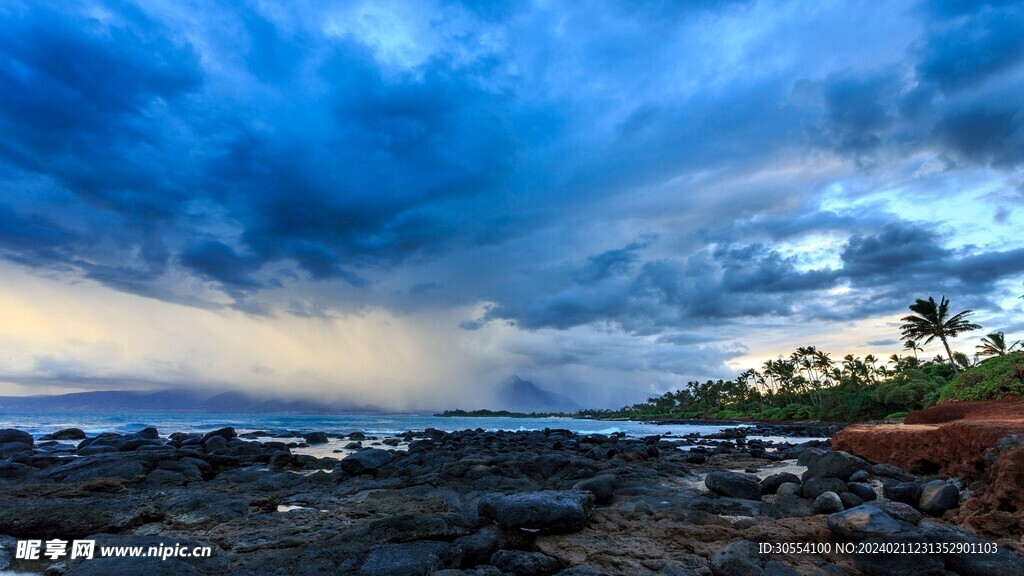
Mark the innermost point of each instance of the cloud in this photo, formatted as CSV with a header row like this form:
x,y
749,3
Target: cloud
x,y
964,52
656,175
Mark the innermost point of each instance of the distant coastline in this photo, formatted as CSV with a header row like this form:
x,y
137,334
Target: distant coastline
x,y
615,416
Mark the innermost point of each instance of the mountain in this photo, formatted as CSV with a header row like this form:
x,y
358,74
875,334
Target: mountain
x,y
518,395
169,401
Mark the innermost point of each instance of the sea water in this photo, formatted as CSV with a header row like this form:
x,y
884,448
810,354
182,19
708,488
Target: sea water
x,y
39,423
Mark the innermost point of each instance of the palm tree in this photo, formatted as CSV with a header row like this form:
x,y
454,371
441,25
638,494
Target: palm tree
x,y
912,345
931,320
995,345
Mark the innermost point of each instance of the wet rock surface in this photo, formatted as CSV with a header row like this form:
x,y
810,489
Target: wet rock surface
x,y
482,502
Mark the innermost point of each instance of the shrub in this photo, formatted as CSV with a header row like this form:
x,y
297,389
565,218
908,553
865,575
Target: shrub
x,y
896,415
994,378
913,389
789,412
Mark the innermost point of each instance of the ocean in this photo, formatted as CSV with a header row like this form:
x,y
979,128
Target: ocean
x,y
39,423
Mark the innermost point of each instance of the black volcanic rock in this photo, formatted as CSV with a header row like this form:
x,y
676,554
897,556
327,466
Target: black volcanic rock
x,y
66,434
12,436
552,511
734,485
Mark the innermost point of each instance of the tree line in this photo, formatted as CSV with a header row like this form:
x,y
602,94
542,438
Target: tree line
x,y
811,384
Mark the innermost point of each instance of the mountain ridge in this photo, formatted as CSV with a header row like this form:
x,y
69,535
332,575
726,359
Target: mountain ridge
x,y
518,395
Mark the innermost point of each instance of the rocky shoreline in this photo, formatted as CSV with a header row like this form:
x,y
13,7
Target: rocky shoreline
x,y
483,503
808,429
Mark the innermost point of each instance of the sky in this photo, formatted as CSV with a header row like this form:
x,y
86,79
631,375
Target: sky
x,y
402,203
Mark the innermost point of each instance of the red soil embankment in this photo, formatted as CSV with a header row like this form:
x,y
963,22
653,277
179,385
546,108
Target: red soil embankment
x,y
1005,410
947,439
954,449
951,439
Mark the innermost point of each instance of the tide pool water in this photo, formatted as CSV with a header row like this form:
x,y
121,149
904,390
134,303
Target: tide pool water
x,y
39,423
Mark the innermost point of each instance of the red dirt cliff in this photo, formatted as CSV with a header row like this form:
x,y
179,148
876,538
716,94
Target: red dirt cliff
x,y
948,439
951,439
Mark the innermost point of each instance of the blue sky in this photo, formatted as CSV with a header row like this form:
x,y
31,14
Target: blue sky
x,y
403,202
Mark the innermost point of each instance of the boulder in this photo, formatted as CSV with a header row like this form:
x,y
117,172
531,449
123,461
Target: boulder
x,y
734,485
602,487
789,488
890,471
937,498
66,434
835,464
419,558
904,512
522,563
906,492
549,510
770,484
828,503
791,505
817,486
809,455
225,433
52,446
365,461
477,548
864,522
864,491
118,465
850,500
11,435
315,438
9,448
214,443
149,433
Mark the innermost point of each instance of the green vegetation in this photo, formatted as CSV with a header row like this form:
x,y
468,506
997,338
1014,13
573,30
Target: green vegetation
x,y
997,377
810,385
995,345
931,320
896,415
807,385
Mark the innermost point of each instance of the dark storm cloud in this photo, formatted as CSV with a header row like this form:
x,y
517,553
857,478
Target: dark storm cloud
x,y
221,263
906,248
657,295
570,165
966,51
962,100
32,235
752,281
77,92
856,114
